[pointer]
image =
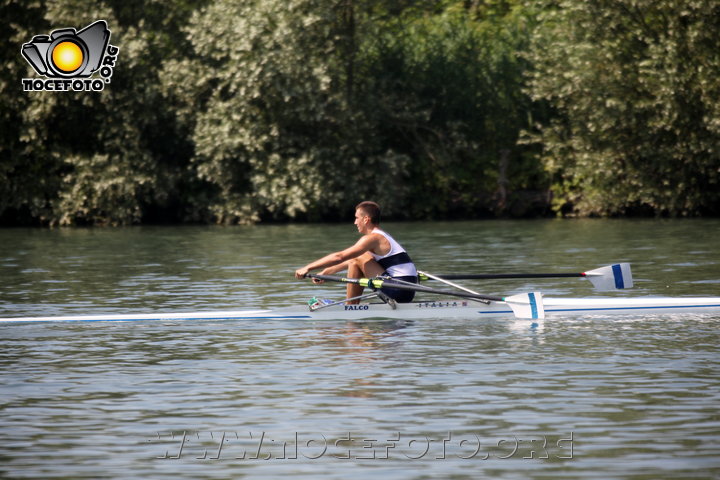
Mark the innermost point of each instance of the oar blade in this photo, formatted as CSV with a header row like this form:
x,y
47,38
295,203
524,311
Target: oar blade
x,y
527,305
612,277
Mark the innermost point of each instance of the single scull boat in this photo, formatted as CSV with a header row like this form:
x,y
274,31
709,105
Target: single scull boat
x,y
456,308
463,303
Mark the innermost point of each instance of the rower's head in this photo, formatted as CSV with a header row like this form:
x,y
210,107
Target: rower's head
x,y
367,216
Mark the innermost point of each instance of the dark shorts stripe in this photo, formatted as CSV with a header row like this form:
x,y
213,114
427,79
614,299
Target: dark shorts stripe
x,y
401,296
397,259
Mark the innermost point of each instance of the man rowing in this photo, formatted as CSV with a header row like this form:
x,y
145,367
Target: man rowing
x,y
375,254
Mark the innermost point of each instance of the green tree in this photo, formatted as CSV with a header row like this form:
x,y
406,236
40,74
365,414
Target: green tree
x,y
448,90
24,181
635,87
243,111
110,157
269,112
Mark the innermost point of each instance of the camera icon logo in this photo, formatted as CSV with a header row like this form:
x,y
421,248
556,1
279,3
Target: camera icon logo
x,y
66,53
68,58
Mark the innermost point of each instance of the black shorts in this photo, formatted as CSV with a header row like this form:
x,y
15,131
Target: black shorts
x,y
400,295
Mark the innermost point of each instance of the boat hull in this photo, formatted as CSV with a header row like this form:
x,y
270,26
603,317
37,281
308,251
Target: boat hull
x,y
554,308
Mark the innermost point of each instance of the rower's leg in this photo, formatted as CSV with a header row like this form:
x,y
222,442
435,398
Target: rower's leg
x,y
353,290
362,266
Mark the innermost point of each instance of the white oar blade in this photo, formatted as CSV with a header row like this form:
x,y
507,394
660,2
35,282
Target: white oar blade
x,y
527,305
612,277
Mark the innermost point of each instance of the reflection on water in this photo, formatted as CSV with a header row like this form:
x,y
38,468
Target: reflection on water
x,y
589,397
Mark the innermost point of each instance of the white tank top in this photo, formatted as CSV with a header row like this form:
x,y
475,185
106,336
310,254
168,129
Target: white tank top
x,y
398,266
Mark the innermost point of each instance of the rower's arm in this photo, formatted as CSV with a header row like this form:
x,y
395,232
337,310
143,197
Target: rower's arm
x,y
366,243
335,268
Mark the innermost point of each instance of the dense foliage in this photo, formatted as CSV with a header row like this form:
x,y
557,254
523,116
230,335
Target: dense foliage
x,y
636,87
242,111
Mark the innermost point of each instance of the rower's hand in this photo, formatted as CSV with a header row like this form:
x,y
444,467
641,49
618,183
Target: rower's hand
x,y
301,272
327,271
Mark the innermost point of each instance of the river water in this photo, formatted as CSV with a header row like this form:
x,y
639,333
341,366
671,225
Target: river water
x,y
588,397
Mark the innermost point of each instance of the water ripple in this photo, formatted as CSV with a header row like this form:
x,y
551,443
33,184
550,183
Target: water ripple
x,y
625,398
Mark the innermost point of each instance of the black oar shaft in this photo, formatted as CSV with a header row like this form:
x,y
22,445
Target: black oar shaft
x,y
380,283
500,276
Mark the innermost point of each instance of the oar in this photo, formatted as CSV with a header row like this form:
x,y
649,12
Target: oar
x,y
611,277
524,305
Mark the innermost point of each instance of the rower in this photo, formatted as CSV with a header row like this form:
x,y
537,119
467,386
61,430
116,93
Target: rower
x,y
376,254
